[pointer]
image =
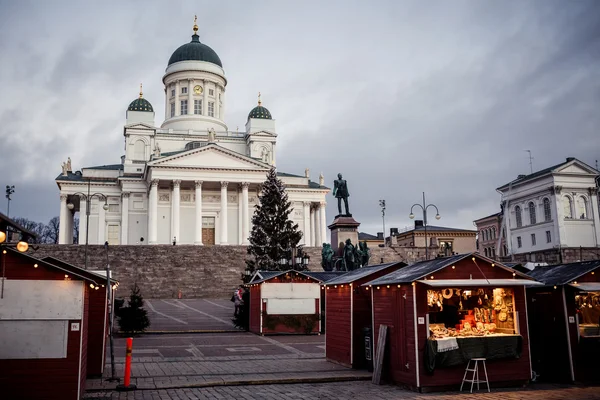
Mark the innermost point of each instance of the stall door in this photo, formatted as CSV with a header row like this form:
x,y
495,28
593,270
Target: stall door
x,y
548,337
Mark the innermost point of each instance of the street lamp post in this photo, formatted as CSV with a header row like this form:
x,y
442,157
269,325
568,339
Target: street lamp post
x,y
298,259
424,208
88,203
382,205
9,190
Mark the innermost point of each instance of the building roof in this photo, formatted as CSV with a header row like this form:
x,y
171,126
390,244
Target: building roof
x,y
140,104
65,265
266,275
195,51
115,167
489,216
564,273
325,276
545,171
433,228
6,222
367,236
360,273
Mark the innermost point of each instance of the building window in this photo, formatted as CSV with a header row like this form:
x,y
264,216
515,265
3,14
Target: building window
x,y
485,252
493,252
184,107
533,239
197,106
113,234
211,92
505,251
503,233
172,92
568,207
211,108
582,208
548,237
519,242
518,217
547,211
184,90
172,110
494,233
532,219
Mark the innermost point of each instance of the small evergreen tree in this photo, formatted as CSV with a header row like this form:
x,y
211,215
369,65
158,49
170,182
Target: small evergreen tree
x,y
273,233
133,318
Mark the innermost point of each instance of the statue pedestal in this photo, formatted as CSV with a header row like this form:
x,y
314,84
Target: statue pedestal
x,y
343,227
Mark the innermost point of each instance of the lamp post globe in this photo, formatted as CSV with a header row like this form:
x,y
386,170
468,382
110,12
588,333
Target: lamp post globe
x,y
70,206
411,216
105,207
437,216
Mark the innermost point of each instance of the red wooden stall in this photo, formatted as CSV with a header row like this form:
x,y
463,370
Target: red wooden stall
x,y
348,312
465,306
285,302
564,320
44,319
98,318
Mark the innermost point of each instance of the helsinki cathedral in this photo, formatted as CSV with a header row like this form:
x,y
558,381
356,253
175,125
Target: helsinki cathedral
x,y
189,180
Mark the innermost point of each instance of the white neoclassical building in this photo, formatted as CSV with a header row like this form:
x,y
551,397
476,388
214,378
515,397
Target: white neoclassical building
x,y
191,180
551,210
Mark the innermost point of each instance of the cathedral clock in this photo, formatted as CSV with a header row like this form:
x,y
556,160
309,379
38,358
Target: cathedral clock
x,y
197,89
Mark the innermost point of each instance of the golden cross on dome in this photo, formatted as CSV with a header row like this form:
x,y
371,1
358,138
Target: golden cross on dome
x,y
259,102
141,92
195,26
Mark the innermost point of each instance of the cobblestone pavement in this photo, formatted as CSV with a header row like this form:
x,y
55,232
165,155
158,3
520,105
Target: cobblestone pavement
x,y
350,390
189,314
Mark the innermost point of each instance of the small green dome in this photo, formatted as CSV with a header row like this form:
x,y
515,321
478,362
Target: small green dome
x,y
140,104
195,51
260,112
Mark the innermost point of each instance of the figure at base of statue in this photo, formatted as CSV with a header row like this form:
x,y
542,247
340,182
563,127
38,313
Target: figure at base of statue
x,y
350,262
327,257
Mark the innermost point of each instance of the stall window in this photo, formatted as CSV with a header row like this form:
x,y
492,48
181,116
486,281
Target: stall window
x,y
588,310
471,312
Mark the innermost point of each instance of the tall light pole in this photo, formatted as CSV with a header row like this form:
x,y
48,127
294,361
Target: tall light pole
x,y
88,203
382,205
424,208
9,190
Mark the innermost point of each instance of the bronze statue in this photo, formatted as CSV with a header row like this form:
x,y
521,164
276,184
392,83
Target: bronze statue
x,y
349,256
340,192
327,257
365,254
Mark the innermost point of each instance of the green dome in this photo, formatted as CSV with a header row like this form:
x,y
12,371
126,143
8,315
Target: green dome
x,y
140,104
260,112
195,51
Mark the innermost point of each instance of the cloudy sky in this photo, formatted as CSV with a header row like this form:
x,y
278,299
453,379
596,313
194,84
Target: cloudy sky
x,y
400,96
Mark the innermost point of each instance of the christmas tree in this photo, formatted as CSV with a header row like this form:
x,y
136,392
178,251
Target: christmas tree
x,y
273,233
133,318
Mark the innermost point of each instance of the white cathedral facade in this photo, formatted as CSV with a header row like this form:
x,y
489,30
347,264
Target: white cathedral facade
x,y
191,180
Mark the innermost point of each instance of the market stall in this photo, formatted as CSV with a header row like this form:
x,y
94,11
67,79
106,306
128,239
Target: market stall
x,y
443,312
565,322
285,302
348,310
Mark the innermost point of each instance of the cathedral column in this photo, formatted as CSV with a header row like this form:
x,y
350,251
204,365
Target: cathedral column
x,y
306,229
205,98
71,225
177,103
323,223
245,214
175,210
101,224
313,226
224,212
167,102
82,219
62,228
153,212
240,214
198,238
190,96
124,218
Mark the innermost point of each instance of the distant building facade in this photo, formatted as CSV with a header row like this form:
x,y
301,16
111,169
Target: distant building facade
x,y
445,240
491,238
553,213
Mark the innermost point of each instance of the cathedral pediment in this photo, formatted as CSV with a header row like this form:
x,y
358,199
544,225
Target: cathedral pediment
x,y
139,125
210,156
263,134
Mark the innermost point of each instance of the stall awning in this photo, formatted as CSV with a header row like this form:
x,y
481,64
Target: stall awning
x,y
479,282
587,286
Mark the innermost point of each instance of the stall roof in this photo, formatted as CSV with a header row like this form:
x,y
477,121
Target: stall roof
x,y
71,267
272,274
587,286
360,273
325,276
563,274
78,272
422,269
480,282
